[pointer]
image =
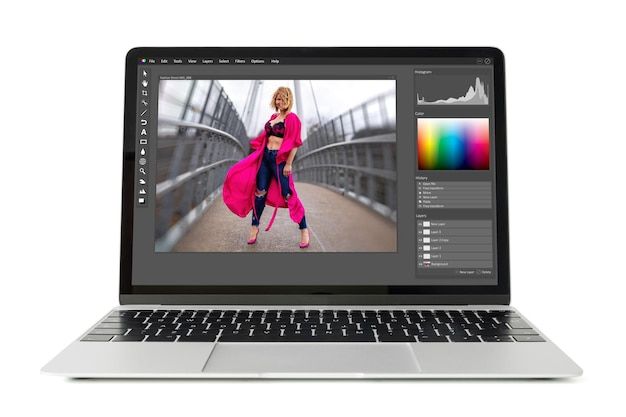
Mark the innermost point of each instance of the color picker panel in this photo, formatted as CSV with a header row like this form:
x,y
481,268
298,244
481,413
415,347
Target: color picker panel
x,y
448,144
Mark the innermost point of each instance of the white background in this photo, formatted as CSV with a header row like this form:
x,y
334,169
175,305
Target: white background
x,y
61,108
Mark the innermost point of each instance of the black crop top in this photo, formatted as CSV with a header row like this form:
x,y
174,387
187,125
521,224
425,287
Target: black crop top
x,y
277,130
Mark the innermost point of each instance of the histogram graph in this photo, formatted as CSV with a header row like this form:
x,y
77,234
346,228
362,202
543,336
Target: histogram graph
x,y
451,90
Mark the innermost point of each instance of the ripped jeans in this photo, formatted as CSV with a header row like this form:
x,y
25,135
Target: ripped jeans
x,y
267,170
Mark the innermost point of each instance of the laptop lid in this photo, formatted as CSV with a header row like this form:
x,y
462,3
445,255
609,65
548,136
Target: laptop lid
x,y
399,175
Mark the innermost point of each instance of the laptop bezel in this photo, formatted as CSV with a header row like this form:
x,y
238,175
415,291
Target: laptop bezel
x,y
314,295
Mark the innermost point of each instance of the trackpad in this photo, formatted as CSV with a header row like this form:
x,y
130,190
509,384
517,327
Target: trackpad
x,y
293,359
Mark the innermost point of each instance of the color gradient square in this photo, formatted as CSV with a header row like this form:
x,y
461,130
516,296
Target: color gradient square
x,y
453,144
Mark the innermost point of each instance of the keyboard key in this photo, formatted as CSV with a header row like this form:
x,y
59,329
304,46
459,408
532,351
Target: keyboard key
x,y
471,317
129,338
112,326
431,338
266,335
143,332
235,336
198,338
96,338
335,337
361,335
108,331
505,332
395,337
164,338
516,323
503,313
463,338
528,339
497,338
414,330
171,312
185,321
124,320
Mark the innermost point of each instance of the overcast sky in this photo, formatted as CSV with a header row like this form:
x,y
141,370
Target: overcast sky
x,y
334,97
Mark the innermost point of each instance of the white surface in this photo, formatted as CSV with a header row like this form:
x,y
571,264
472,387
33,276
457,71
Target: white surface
x,y
61,114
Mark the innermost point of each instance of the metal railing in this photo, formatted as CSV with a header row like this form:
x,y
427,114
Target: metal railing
x,y
200,101
374,116
191,165
355,155
363,169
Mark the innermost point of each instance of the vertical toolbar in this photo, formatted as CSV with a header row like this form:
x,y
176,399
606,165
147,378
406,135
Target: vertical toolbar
x,y
143,115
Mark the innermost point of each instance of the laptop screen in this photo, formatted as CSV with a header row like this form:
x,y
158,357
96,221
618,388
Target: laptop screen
x,y
314,171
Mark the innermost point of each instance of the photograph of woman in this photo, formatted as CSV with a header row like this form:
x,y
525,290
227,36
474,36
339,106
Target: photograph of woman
x,y
264,177
223,156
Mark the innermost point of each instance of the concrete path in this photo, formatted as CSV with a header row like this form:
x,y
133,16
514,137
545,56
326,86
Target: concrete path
x,y
336,224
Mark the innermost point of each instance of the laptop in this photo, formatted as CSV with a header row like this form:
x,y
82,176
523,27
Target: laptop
x,y
314,213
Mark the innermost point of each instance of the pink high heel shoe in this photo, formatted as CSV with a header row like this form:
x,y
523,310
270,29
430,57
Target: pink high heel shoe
x,y
305,245
253,241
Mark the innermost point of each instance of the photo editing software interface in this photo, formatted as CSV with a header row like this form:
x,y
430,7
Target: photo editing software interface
x,y
386,166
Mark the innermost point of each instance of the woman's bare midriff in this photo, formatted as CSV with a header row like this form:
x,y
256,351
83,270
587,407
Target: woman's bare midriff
x,y
274,142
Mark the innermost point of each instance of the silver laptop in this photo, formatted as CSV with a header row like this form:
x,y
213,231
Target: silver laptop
x,y
314,213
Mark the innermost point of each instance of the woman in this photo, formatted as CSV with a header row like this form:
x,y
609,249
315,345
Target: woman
x,y
264,177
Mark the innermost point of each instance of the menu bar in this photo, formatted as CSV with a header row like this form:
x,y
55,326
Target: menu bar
x,y
313,60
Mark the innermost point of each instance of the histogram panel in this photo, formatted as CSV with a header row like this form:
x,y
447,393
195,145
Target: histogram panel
x,y
451,90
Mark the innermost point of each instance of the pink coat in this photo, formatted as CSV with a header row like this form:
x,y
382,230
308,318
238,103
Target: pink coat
x,y
240,182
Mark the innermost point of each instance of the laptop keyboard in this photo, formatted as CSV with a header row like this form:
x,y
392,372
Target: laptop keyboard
x,y
445,326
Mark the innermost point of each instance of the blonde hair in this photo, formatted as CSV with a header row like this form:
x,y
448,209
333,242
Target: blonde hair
x,y
286,94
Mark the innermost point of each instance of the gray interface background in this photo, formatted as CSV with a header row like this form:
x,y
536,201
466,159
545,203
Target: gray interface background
x,y
153,268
